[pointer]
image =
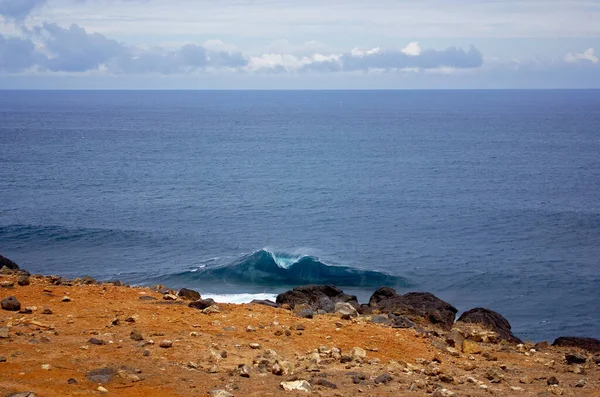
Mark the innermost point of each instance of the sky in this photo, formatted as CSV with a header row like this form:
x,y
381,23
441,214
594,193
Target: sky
x,y
299,44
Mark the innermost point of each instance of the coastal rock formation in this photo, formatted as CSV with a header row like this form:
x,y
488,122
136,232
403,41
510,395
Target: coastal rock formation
x,y
189,294
589,344
414,305
313,294
8,263
202,304
491,320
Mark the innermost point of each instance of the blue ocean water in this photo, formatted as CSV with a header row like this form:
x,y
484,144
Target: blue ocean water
x,y
485,198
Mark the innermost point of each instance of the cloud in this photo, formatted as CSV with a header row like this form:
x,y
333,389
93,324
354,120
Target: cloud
x,y
17,54
587,55
18,10
53,48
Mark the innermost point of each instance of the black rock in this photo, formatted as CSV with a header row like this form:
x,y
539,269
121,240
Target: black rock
x,y
306,313
189,294
325,383
491,320
414,305
552,381
101,375
590,344
11,304
8,263
95,341
23,280
72,381
384,378
401,321
575,359
365,309
202,303
326,304
265,302
381,319
311,294
136,335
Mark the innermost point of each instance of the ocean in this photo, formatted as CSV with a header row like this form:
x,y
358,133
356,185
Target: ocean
x,y
484,198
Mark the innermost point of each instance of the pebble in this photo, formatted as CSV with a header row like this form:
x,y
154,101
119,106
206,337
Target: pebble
x,y
2,359
358,354
102,389
72,381
7,284
383,378
4,332
255,346
46,311
325,383
23,280
65,299
244,371
299,385
46,367
95,341
146,353
11,304
214,309
581,383
552,381
470,347
136,335
575,359
165,344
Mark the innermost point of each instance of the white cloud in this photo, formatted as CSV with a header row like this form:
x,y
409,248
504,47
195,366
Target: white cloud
x,y
412,49
587,55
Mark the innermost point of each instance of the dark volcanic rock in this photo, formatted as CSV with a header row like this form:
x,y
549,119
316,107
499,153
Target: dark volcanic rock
x,y
590,344
8,263
306,313
414,305
401,321
189,294
101,375
11,304
326,304
324,383
95,341
491,320
202,304
23,280
311,294
265,302
384,378
575,359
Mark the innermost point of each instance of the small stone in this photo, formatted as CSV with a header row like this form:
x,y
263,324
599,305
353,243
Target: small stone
x,y
214,309
2,359
219,393
189,294
525,380
255,346
244,371
165,344
516,388
384,378
470,347
4,332
7,284
136,335
446,378
358,354
213,369
23,280
325,383
581,383
556,390
146,353
72,381
575,359
46,367
147,298
65,299
299,385
95,341
11,304
470,366
443,393
46,311
250,329
169,297
345,310
102,389
552,381
306,313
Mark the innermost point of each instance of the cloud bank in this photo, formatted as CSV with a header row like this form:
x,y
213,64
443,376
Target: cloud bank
x,y
53,48
18,10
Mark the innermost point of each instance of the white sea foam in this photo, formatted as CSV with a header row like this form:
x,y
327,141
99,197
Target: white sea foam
x,y
239,298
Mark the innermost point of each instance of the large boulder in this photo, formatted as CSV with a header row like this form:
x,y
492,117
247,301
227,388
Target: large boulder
x,y
589,344
11,304
416,306
490,320
8,263
189,294
312,295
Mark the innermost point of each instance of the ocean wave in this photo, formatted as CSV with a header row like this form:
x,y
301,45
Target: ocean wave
x,y
275,269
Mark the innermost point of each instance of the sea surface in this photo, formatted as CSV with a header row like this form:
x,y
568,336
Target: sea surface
x,y
484,198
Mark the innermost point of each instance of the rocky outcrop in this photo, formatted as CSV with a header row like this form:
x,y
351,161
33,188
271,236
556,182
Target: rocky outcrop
x,y
202,304
416,306
490,320
589,344
313,295
189,294
8,263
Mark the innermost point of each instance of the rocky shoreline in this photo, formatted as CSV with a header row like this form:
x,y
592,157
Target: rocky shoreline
x,y
80,337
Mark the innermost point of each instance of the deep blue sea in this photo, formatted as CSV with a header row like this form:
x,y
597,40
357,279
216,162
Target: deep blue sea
x,y
484,198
